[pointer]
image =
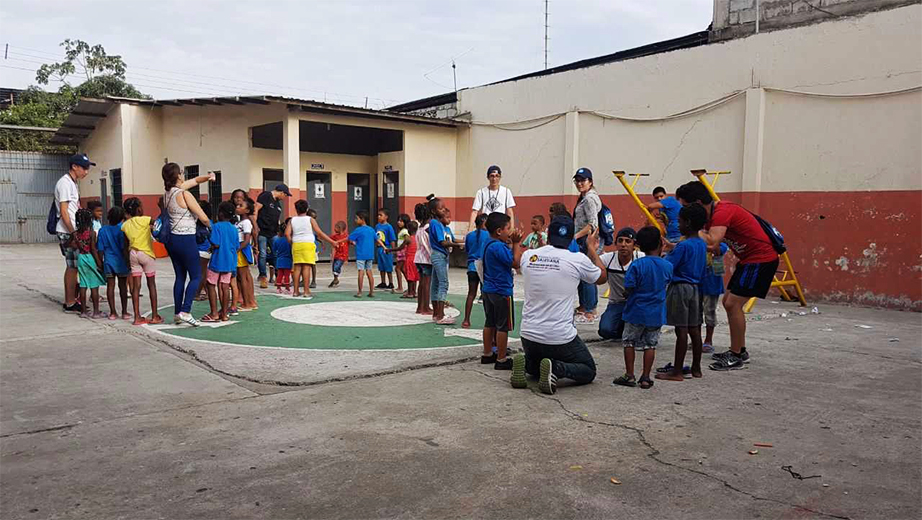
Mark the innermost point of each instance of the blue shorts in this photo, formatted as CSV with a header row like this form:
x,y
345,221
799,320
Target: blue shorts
x,y
338,266
364,265
109,271
385,260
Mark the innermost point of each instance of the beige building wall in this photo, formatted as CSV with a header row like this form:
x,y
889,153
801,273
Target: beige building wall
x,y
104,147
338,165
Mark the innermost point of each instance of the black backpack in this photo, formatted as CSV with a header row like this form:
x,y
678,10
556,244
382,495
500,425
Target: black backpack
x,y
774,236
51,226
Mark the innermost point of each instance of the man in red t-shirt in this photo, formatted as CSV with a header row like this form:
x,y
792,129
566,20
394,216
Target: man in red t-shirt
x,y
758,263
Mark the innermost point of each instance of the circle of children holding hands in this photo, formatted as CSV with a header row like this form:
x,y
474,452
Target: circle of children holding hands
x,y
652,280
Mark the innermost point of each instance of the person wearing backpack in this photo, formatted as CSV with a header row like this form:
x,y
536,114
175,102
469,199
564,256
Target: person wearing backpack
x,y
493,198
755,243
585,221
65,206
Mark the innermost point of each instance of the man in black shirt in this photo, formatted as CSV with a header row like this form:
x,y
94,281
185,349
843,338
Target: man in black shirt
x,y
268,212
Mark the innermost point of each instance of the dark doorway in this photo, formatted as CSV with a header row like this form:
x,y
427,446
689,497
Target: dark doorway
x,y
392,196
104,198
358,197
272,178
319,198
214,194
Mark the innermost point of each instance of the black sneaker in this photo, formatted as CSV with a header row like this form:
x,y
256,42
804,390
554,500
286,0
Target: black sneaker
x,y
487,360
389,286
503,365
74,307
381,285
730,362
744,354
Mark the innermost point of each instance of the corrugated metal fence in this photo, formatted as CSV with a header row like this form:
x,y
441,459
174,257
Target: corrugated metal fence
x,y
26,190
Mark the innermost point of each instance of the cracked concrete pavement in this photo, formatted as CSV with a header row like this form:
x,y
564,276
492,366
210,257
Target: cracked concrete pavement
x,y
100,422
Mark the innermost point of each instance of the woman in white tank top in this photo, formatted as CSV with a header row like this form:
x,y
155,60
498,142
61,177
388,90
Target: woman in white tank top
x,y
301,233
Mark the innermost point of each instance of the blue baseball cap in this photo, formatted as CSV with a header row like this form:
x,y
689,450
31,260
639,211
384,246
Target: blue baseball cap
x,y
560,232
585,173
80,159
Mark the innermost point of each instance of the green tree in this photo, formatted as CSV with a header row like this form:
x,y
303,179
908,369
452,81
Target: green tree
x,y
101,75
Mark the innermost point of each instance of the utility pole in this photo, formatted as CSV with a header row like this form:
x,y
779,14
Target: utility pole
x,y
454,73
545,34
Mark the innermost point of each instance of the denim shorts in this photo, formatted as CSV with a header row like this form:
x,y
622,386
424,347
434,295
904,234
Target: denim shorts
x,y
424,269
640,337
365,265
337,266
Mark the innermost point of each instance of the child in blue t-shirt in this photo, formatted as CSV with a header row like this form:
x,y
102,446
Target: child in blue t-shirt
x,y
385,238
474,243
710,289
281,248
498,260
363,238
204,256
688,259
670,206
645,309
113,246
440,241
224,242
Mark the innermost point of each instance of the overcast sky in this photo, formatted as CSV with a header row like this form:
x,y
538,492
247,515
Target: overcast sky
x,y
336,50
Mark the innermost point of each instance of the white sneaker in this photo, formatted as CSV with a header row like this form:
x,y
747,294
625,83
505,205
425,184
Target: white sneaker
x,y
187,318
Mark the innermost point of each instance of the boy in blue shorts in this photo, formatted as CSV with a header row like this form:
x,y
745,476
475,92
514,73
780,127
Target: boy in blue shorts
x,y
645,311
363,238
498,260
688,259
386,238
113,246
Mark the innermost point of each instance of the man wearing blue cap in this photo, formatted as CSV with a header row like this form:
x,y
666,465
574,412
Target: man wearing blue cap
x,y
553,348
67,202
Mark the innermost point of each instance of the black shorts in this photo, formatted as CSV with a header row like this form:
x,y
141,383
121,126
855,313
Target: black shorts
x,y
498,309
473,279
753,280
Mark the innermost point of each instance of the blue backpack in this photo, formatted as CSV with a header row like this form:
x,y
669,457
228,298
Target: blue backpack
x,y
161,229
774,236
606,226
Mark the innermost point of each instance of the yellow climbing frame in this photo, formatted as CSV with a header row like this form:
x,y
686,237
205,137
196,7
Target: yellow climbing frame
x,y
788,278
630,191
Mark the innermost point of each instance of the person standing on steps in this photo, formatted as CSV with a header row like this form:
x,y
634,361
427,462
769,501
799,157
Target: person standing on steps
x,y
493,198
268,214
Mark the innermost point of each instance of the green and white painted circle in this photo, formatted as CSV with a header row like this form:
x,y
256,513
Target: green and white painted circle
x,y
334,320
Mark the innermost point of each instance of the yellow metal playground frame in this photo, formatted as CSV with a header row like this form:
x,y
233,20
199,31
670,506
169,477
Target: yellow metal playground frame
x,y
788,277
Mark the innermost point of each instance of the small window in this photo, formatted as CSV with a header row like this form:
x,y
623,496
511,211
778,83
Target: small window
x,y
115,176
191,173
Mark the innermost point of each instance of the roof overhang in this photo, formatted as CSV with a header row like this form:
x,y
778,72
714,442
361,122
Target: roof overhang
x,y
81,122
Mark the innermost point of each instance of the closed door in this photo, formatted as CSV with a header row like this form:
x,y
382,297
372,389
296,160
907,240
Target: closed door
x,y
358,197
392,195
319,199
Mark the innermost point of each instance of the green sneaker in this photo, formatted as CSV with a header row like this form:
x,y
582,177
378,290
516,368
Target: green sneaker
x,y
518,372
547,381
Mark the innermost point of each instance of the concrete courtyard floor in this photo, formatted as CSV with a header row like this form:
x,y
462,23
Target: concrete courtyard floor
x,y
113,421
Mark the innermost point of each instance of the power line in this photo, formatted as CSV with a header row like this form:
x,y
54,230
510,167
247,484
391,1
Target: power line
x,y
340,96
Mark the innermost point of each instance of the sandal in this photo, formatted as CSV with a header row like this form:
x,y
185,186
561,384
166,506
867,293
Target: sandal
x,y
208,318
445,321
625,380
645,382
156,321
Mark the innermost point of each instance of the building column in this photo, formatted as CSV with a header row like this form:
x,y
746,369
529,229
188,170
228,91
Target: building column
x,y
291,157
571,152
753,142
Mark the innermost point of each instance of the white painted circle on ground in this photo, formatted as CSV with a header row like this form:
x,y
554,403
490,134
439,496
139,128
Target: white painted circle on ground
x,y
360,313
